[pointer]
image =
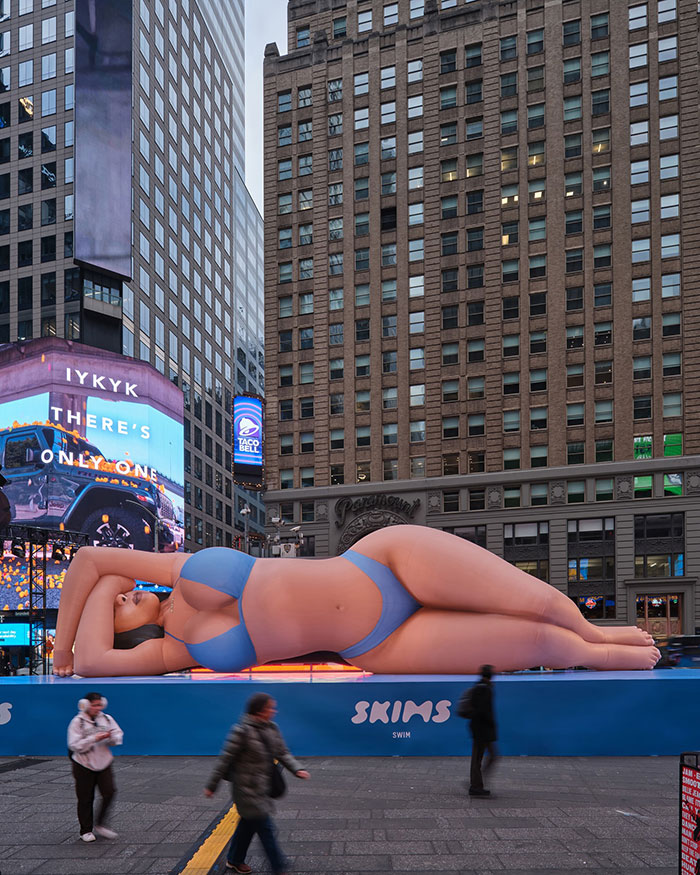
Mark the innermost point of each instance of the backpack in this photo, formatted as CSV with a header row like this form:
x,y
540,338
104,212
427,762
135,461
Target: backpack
x,y
465,708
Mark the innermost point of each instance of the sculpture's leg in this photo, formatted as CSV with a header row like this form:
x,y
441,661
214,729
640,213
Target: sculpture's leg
x,y
443,571
448,642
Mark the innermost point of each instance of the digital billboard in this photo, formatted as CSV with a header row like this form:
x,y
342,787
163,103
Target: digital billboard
x,y
248,441
92,441
103,41
14,634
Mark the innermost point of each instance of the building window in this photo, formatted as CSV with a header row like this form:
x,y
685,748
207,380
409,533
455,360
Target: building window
x,y
668,49
417,434
575,414
535,41
600,102
508,47
576,492
364,21
511,458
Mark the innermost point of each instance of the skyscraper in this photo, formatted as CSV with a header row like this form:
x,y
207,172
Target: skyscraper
x,y
481,284
186,295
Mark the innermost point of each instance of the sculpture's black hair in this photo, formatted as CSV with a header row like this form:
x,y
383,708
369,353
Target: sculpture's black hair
x,y
134,637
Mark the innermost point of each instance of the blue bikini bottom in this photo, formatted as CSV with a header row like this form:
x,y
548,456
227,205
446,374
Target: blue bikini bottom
x,y
397,603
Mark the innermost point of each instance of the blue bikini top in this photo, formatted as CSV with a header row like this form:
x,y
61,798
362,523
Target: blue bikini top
x,y
227,571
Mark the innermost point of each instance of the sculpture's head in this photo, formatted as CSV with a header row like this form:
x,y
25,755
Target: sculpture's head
x,y
136,618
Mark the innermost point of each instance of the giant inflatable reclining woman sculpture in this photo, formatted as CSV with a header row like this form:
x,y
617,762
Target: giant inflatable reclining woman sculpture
x,y
404,600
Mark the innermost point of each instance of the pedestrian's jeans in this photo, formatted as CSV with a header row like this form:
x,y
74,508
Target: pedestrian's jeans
x,y
479,747
242,837
85,782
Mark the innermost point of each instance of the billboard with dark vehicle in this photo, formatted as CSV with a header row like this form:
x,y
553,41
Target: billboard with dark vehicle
x,y
94,441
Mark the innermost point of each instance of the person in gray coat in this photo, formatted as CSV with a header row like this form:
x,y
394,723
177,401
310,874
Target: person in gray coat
x,y
246,760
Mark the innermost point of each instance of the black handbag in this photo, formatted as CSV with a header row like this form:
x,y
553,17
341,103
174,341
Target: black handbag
x,y
278,785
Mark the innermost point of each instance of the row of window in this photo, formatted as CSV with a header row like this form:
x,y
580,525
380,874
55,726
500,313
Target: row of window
x,y
476,347
474,200
571,30
26,33
448,98
25,70
450,427
667,50
475,386
476,463
205,534
672,402
573,110
46,215
669,208
672,406
47,328
600,66
574,258
537,494
638,17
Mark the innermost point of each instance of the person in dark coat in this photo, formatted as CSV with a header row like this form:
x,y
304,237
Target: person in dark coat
x,y
246,760
483,729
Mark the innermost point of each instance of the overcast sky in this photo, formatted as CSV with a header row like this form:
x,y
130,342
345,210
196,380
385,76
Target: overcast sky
x,y
265,22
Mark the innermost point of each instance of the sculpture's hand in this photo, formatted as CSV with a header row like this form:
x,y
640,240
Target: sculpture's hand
x,y
63,663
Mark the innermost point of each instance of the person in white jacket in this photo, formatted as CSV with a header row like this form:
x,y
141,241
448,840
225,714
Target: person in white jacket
x,y
91,734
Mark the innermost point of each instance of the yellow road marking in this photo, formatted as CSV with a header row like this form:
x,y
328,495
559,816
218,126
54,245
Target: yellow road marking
x,y
209,852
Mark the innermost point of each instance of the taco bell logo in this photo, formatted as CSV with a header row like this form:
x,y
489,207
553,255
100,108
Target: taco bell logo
x,y
247,419
247,428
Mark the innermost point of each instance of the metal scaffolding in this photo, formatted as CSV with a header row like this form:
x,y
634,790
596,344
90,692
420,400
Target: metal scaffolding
x,y
33,544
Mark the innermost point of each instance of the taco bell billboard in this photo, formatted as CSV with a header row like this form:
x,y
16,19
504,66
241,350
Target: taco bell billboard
x,y
92,441
248,432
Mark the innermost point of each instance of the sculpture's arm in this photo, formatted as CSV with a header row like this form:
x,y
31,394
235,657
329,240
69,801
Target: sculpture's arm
x,y
95,655
83,575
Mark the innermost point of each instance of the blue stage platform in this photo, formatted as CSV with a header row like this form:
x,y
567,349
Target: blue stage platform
x,y
548,714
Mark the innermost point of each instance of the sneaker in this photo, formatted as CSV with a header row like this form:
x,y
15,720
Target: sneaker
x,y
243,868
87,837
106,832
479,792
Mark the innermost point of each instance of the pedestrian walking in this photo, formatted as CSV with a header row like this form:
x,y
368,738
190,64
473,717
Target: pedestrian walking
x,y
247,761
91,734
476,705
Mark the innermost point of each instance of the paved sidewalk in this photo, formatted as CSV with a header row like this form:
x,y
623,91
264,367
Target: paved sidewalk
x,y
361,815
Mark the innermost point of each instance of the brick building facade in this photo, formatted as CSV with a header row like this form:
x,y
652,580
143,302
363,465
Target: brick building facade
x,y
481,285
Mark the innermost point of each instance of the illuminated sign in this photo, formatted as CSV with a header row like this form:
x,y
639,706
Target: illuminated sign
x,y
248,441
91,441
14,634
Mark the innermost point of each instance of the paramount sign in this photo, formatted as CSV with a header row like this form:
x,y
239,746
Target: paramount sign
x,y
345,506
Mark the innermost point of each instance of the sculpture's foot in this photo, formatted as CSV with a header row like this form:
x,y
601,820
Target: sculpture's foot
x,y
627,635
622,657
